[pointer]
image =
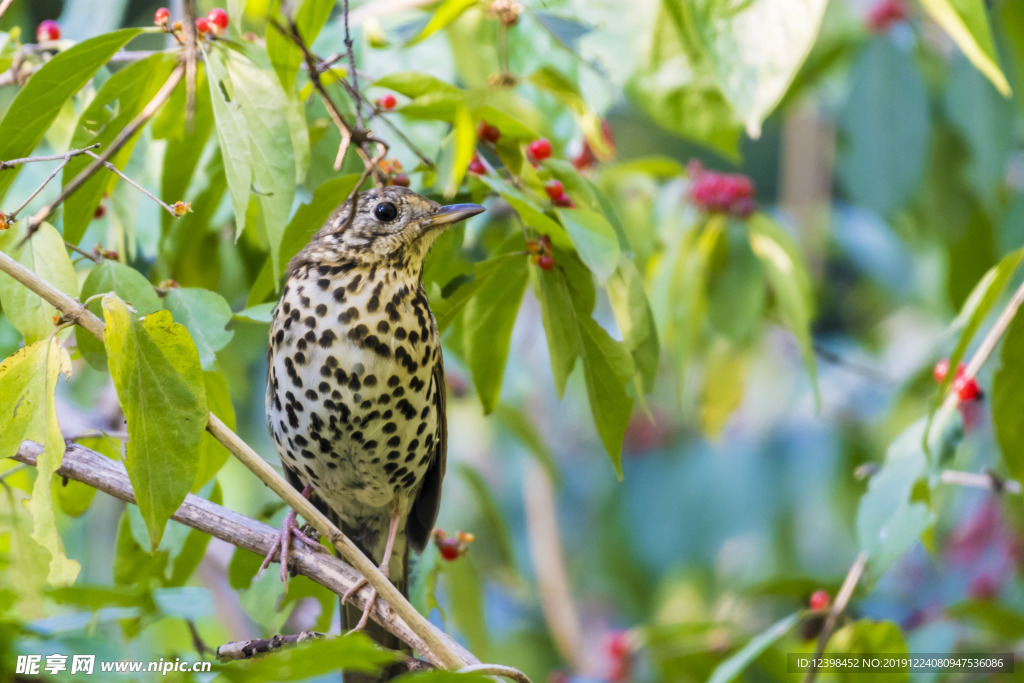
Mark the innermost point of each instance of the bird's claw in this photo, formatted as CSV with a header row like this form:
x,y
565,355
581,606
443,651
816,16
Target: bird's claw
x,y
363,620
282,547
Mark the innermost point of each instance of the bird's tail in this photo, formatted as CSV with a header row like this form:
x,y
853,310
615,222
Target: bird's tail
x,y
350,616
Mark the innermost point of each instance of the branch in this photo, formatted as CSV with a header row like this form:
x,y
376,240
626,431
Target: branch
x,y
435,643
838,607
987,480
102,473
131,129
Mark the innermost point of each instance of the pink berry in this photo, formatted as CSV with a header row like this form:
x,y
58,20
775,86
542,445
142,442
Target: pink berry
x,y
966,388
387,102
48,31
540,149
941,369
819,600
885,13
202,26
401,180
565,201
218,19
554,189
162,16
477,167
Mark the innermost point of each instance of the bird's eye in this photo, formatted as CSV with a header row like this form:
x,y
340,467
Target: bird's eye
x,y
385,212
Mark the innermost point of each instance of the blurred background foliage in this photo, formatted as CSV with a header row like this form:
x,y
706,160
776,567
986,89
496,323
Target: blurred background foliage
x,y
747,364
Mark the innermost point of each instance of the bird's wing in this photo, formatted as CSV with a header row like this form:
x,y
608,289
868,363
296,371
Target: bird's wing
x,y
428,502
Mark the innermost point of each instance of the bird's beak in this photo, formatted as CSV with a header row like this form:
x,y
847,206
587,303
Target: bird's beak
x,y
447,215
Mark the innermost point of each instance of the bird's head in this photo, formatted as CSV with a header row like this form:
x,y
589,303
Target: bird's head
x,y
392,227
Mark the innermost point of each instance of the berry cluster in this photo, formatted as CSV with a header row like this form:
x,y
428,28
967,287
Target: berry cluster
x,y
966,388
452,547
476,166
215,23
713,192
540,251
488,133
47,31
885,13
556,191
393,167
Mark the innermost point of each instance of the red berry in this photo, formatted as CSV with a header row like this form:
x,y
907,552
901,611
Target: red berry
x,y
941,370
202,26
387,102
488,132
585,159
400,179
218,19
476,166
565,201
47,31
450,549
546,262
162,16
554,189
100,212
984,587
819,600
617,643
966,388
540,149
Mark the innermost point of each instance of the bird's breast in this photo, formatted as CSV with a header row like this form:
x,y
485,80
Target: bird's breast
x,y
351,399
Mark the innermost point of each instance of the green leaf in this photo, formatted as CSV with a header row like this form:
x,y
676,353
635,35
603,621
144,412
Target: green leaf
x,y
594,238
755,49
74,496
447,12
724,372
635,319
487,330
130,286
204,314
465,590
864,637
465,148
184,151
447,309
732,667
321,657
132,564
28,380
679,90
39,102
117,102
790,284
557,314
212,453
990,617
885,125
159,382
607,368
414,84
516,423
966,22
890,517
310,17
496,527
736,286
1008,399
46,256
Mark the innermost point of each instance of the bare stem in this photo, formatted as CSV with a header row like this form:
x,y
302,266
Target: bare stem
x,y
352,68
134,184
838,607
987,480
50,157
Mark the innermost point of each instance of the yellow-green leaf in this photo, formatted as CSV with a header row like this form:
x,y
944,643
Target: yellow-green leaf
x,y
967,24
159,382
28,380
46,256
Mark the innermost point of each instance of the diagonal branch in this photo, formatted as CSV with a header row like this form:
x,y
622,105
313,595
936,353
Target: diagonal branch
x,y
435,642
102,473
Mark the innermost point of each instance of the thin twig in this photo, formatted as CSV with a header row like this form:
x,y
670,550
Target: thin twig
x,y
50,157
130,130
89,255
352,68
246,649
988,480
4,5
190,55
838,607
134,184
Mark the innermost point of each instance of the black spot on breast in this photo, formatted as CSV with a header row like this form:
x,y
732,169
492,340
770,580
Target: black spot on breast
x,y
394,441
393,381
370,381
353,284
370,445
339,294
382,327
310,321
390,428
323,283
311,395
358,332
400,333
321,310
279,337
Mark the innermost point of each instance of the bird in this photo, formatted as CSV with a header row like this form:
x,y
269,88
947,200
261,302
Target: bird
x,y
355,397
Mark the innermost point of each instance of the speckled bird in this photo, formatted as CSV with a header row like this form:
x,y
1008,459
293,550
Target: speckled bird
x,y
355,380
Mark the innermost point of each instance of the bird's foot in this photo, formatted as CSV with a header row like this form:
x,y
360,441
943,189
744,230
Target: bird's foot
x,y
282,547
369,601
